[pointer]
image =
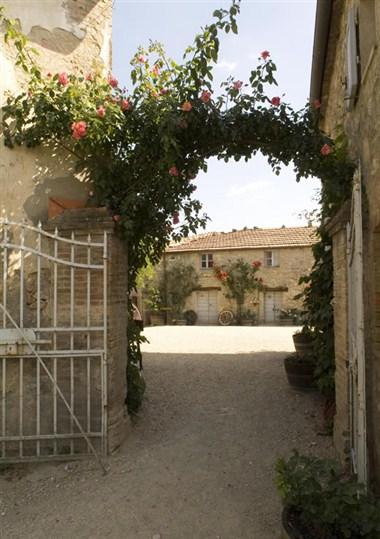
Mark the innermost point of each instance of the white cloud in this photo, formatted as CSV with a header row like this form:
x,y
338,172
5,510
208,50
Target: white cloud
x,y
228,66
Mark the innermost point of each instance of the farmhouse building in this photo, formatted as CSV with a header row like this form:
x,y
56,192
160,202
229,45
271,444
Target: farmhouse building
x,y
284,253
345,79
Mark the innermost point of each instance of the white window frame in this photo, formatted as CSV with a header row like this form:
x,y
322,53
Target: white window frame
x,y
207,261
270,261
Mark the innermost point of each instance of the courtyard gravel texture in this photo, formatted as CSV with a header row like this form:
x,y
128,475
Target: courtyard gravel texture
x,y
198,462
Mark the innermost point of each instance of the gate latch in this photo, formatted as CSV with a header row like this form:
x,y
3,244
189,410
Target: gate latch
x,y
13,344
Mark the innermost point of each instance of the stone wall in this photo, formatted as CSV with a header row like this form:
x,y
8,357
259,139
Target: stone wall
x,y
71,36
362,128
292,263
337,229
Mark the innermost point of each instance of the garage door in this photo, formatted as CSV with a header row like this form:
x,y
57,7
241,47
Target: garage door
x,y
207,307
272,306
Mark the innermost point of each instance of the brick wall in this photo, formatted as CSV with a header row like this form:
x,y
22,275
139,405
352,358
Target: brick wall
x,y
97,221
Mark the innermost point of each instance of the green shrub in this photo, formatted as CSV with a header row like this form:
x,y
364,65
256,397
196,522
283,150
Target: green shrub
x,y
328,503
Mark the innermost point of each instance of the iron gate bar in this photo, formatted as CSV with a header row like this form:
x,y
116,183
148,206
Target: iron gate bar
x,y
57,389
39,229
49,257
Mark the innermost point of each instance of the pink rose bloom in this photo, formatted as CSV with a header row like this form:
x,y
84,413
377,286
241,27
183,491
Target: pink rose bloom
x,y
175,218
237,84
101,111
275,101
326,149
173,171
113,81
89,76
265,54
156,70
79,129
116,218
49,74
164,91
316,104
141,58
187,106
205,96
63,79
125,104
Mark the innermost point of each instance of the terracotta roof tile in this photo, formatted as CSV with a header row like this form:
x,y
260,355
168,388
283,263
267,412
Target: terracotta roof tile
x,y
253,238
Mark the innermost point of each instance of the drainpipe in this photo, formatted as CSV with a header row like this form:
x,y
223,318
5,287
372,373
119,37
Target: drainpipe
x,y
322,29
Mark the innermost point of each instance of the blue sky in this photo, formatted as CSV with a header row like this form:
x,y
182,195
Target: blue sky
x,y
241,194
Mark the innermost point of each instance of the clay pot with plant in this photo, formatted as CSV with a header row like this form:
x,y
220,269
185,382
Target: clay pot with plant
x,y
322,502
300,370
303,341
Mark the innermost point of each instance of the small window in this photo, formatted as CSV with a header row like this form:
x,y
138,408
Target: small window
x,y
207,261
270,259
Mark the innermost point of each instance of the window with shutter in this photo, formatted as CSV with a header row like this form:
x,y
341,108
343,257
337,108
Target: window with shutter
x,y
352,72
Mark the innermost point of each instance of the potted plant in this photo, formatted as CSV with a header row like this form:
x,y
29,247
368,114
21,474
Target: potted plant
x,y
300,370
191,317
303,340
248,318
155,305
290,317
321,502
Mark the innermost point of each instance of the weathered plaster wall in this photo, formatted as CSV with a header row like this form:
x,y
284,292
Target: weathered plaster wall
x,y
362,127
293,262
70,35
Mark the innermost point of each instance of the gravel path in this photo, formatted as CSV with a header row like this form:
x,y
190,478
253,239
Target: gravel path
x,y
198,463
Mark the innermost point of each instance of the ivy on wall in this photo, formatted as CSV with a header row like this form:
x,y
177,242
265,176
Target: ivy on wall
x,y
142,149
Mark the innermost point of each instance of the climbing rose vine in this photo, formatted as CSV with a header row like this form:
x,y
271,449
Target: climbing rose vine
x,y
239,278
141,148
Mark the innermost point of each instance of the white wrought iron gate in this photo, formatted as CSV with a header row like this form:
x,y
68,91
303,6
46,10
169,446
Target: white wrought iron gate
x,y
356,335
53,344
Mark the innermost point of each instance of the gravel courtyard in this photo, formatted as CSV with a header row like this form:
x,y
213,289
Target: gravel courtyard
x,y
197,463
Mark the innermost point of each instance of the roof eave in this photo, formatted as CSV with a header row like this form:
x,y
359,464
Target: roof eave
x,y
244,247
321,33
